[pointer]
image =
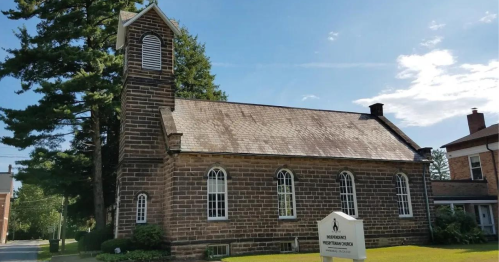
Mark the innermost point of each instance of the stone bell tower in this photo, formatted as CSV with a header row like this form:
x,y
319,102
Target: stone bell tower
x,y
148,84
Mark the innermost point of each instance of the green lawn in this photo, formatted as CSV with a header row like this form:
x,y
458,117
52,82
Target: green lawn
x,y
454,253
45,255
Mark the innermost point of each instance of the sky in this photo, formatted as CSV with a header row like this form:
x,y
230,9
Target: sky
x,y
428,61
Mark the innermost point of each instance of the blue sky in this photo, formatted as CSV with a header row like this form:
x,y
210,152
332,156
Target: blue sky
x,y
429,62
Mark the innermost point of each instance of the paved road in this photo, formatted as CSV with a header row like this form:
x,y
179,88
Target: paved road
x,y
25,250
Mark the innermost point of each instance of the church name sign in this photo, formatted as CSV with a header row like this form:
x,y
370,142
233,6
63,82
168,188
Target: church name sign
x,y
341,235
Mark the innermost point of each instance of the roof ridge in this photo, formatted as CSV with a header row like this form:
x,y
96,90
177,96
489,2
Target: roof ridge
x,y
264,105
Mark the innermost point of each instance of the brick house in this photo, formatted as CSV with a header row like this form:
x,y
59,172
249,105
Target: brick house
x,y
245,178
473,164
6,193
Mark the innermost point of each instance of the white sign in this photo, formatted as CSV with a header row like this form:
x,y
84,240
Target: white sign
x,y
341,235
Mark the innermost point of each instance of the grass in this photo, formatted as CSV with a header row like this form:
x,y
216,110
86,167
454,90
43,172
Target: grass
x,y
452,253
45,255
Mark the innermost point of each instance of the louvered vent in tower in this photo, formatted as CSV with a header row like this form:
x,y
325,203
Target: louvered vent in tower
x,y
151,53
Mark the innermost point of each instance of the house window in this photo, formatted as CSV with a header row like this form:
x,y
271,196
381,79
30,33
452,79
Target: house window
x,y
347,194
476,167
217,194
403,196
286,194
151,52
141,209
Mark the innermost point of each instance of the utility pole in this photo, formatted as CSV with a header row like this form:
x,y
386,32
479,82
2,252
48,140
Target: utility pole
x,y
65,223
60,220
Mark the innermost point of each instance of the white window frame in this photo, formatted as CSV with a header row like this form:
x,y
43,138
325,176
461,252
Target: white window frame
x,y
354,193
471,168
154,42
408,189
226,217
223,245
286,193
144,219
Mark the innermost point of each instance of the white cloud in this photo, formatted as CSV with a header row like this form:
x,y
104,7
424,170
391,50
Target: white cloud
x,y
488,18
306,97
431,43
333,36
440,89
435,26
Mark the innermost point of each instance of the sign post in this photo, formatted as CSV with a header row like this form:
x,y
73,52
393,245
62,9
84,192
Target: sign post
x,y
341,235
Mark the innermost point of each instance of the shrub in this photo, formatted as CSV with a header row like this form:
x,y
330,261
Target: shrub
x,y
110,245
147,237
80,234
456,227
93,240
137,256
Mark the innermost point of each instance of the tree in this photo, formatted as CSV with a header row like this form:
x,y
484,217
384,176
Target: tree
x,y
71,63
440,167
34,212
193,78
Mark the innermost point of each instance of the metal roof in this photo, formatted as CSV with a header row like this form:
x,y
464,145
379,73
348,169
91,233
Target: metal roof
x,y
237,128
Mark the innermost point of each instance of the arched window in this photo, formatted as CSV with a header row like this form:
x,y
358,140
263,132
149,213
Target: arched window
x,y
217,194
286,194
403,196
347,194
151,52
141,208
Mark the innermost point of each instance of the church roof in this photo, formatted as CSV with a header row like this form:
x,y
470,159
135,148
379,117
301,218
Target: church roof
x,y
127,18
237,128
5,182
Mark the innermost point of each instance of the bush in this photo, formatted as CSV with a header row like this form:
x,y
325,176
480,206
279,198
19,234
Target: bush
x,y
80,234
93,240
109,246
456,227
147,237
137,256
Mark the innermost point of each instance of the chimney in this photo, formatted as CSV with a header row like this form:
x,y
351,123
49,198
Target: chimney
x,y
376,109
476,121
10,169
425,152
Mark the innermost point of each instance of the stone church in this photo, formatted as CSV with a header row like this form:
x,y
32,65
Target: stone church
x,y
243,178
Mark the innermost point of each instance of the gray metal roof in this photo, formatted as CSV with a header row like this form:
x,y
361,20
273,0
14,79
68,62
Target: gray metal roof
x,y
236,128
492,130
5,182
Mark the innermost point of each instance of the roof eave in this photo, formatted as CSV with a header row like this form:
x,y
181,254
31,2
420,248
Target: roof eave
x,y
120,41
303,156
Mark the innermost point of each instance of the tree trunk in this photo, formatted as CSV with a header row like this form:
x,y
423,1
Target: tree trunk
x,y
100,219
60,220
64,223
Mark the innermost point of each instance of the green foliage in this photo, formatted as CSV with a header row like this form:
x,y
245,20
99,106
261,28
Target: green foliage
x,y
33,213
147,237
80,234
440,167
93,240
456,227
137,255
110,245
70,62
192,70
208,253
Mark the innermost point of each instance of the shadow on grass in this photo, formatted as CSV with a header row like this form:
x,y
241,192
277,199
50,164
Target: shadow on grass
x,y
472,248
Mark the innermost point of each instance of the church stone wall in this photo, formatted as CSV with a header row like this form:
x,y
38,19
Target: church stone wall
x,y
253,225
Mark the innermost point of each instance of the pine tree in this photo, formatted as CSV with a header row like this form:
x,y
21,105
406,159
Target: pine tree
x,y
193,78
440,167
71,63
